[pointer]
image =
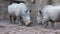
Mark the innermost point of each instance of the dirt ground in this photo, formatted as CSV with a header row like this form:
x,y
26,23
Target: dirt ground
x,y
7,28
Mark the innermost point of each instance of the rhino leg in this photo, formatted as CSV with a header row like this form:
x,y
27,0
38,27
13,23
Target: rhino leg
x,y
46,24
10,19
21,21
52,23
14,19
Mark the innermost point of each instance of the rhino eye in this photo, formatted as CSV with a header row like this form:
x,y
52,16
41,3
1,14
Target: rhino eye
x,y
26,11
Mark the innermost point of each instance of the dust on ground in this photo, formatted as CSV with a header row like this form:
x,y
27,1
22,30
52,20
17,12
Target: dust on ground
x,y
7,28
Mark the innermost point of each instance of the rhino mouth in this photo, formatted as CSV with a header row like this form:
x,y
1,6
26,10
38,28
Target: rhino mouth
x,y
28,23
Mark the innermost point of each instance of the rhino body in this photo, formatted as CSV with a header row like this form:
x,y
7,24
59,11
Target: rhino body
x,y
50,13
19,10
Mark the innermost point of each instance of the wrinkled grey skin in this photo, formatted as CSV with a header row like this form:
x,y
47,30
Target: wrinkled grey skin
x,y
19,10
50,13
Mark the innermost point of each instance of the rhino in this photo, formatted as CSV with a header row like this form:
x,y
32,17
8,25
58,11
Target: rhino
x,y
20,10
50,13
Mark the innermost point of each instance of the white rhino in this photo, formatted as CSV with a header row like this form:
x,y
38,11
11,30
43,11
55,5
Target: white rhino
x,y
19,10
50,13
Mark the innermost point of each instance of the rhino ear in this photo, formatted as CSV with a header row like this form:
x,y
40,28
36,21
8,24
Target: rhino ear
x,y
30,11
40,12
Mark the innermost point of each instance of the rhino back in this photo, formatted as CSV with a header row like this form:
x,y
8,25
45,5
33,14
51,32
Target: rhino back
x,y
54,14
